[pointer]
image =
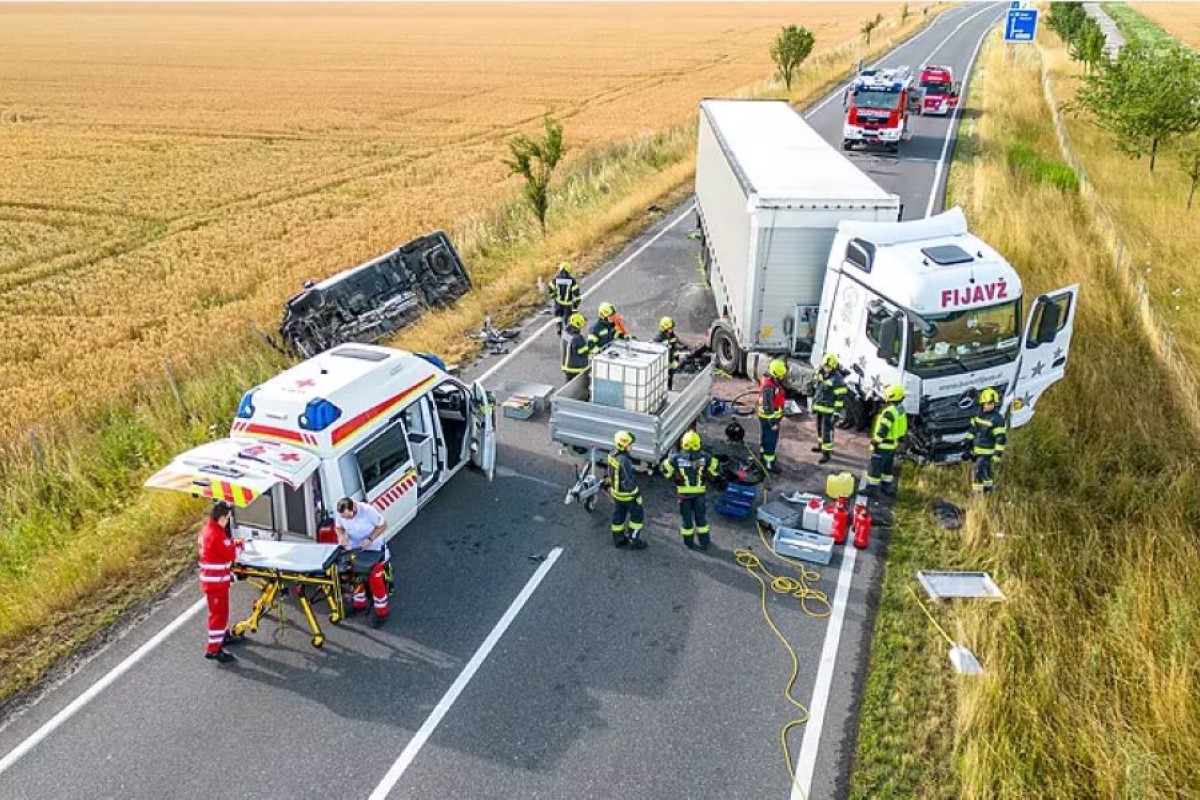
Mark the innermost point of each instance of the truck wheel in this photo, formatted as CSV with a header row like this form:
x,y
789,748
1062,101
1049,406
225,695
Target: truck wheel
x,y
893,148
726,351
847,144
855,414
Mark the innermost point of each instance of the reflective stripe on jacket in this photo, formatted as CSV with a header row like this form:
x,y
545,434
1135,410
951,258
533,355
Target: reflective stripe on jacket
x,y
690,470
575,351
674,346
890,427
603,334
565,291
621,476
770,399
217,553
987,433
831,391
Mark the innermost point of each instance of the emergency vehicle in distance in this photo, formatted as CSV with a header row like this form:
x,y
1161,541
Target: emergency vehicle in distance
x,y
939,90
878,103
805,256
383,426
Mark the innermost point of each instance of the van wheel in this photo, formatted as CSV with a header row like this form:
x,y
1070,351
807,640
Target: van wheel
x,y
726,352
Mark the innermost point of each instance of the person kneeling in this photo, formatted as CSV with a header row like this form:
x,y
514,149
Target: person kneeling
x,y
359,528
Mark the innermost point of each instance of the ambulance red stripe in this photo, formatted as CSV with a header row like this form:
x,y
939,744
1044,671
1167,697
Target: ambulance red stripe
x,y
354,424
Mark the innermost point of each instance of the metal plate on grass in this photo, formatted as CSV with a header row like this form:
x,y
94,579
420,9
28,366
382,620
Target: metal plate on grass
x,y
959,585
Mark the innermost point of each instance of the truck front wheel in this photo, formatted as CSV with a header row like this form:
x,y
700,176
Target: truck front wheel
x,y
726,351
847,144
855,415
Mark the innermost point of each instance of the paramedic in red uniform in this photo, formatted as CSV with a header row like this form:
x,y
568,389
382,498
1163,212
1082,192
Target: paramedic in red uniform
x,y
218,549
359,527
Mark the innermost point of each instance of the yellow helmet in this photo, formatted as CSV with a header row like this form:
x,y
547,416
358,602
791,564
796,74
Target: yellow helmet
x,y
666,323
989,396
691,441
623,440
564,266
893,393
607,310
577,320
830,360
777,369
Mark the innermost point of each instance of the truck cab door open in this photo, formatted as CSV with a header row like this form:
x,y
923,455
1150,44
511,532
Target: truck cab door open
x,y
268,482
483,430
1044,350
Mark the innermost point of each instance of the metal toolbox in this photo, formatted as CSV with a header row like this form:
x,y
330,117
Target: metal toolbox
x,y
777,514
804,545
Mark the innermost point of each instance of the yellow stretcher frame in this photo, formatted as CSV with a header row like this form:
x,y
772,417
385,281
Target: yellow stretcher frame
x,y
272,582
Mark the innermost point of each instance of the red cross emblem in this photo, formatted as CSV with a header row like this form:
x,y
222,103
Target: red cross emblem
x,y
307,382
290,457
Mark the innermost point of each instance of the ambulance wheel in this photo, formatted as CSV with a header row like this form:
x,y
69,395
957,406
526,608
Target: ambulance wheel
x,y
589,504
239,629
318,640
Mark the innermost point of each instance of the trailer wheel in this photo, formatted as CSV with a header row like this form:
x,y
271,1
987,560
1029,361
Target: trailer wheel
x,y
726,351
589,504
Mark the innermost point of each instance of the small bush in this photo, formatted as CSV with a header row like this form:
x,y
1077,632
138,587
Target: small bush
x,y
1027,163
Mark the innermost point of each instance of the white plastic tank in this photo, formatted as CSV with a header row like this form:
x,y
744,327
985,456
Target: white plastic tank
x,y
631,375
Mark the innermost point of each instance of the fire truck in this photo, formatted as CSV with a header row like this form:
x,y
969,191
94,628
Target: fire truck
x,y
939,89
878,103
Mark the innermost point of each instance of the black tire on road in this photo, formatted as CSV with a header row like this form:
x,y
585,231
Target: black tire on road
x,y
726,352
855,413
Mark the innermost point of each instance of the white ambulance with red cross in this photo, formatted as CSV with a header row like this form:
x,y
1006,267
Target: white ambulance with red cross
x,y
382,426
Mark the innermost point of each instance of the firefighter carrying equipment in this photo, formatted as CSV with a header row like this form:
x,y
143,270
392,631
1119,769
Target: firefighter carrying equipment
x,y
309,571
690,469
628,515
813,603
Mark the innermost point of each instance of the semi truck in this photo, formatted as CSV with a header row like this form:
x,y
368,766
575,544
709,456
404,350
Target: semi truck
x,y
806,255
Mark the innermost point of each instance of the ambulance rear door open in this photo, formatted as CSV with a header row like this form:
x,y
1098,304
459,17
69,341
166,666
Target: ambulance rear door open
x,y
273,487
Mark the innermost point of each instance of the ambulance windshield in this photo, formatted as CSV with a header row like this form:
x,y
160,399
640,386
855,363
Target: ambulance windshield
x,y
965,340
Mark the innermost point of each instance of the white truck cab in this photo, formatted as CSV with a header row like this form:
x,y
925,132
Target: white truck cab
x,y
930,306
382,426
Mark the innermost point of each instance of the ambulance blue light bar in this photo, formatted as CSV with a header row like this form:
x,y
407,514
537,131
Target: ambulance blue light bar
x,y
319,414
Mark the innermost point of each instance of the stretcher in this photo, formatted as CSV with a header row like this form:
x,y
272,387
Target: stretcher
x,y
312,572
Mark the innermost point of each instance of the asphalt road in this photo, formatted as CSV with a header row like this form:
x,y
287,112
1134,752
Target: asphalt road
x,y
647,674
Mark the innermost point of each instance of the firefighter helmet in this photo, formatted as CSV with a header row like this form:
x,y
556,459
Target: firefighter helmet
x,y
564,266
623,440
691,441
577,320
830,360
894,393
607,310
989,395
777,369
666,323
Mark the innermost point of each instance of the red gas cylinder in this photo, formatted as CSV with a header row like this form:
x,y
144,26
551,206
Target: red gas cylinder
x,y
862,526
841,520
327,533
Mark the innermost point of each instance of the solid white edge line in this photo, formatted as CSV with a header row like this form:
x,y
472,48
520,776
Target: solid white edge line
x,y
435,717
806,761
591,290
96,688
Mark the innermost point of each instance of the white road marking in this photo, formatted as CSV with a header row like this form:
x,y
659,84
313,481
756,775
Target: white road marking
x,y
418,741
806,761
96,688
590,291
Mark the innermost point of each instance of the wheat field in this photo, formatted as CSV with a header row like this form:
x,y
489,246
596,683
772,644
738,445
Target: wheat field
x,y
171,173
1181,20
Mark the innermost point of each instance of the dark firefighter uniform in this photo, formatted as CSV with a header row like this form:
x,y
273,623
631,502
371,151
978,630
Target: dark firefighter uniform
x,y
605,332
575,349
771,398
829,398
627,501
666,335
690,470
890,427
986,439
564,291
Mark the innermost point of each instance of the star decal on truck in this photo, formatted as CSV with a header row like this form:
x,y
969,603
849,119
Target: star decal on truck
x,y
876,384
1037,369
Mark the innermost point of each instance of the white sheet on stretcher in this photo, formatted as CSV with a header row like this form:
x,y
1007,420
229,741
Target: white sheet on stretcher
x,y
290,556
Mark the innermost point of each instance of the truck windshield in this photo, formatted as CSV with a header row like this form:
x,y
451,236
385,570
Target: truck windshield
x,y
873,98
934,87
965,340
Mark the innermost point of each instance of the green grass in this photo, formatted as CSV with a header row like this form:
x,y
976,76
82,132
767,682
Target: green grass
x,y
1026,163
1092,665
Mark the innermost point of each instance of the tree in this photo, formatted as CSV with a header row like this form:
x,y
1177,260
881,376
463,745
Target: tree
x,y
790,48
904,13
1188,153
869,26
535,160
1066,19
1088,46
1144,98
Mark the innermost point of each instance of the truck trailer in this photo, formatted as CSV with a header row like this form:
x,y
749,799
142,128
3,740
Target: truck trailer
x,y
805,255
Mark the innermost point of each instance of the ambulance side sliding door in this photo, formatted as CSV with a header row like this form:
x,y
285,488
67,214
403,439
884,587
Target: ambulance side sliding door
x,y
381,472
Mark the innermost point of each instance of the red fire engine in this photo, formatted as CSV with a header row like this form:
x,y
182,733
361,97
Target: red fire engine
x,y
877,108
939,89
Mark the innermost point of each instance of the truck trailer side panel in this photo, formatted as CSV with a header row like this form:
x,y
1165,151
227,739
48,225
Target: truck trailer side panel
x,y
722,204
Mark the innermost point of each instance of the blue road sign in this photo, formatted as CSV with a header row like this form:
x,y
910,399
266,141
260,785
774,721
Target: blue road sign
x,y
1020,25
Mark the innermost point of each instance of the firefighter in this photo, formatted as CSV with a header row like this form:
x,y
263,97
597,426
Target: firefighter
x,y
690,469
564,292
627,497
985,441
889,428
217,551
575,348
359,528
828,400
770,411
666,335
608,328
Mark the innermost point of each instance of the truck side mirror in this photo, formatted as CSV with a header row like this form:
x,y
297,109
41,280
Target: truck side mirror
x,y
889,334
955,89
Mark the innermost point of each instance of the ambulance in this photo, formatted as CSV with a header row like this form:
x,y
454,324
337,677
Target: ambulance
x,y
383,426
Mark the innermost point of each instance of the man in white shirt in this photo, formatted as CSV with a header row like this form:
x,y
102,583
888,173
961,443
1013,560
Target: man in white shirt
x,y
359,529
